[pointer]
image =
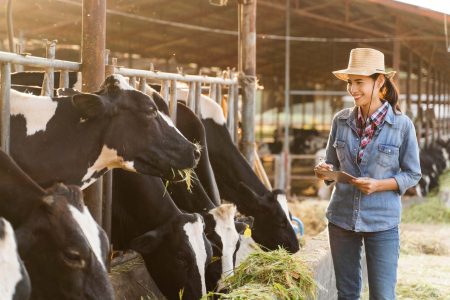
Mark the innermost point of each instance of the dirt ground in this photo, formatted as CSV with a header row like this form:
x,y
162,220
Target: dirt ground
x,y
424,264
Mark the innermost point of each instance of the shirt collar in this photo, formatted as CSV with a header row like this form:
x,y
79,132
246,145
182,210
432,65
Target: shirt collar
x,y
378,116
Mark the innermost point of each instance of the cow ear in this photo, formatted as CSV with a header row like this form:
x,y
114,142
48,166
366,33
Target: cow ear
x,y
149,241
89,105
252,200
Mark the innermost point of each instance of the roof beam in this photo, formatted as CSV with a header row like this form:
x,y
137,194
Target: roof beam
x,y
321,18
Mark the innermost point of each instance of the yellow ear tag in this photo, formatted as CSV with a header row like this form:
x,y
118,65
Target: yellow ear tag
x,y
247,232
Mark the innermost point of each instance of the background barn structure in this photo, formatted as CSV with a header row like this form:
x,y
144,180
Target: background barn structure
x,y
293,74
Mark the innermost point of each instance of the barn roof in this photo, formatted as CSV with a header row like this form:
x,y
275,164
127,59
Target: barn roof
x,y
197,34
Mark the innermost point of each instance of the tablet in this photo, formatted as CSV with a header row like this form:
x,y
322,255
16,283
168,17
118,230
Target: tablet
x,y
338,176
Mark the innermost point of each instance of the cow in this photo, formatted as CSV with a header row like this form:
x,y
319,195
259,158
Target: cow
x,y
77,139
31,81
238,183
172,243
14,279
64,250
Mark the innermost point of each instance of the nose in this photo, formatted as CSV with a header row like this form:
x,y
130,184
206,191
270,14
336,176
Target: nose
x,y
197,154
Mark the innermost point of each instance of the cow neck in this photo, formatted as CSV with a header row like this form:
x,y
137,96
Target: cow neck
x,y
228,164
20,195
192,128
65,149
142,202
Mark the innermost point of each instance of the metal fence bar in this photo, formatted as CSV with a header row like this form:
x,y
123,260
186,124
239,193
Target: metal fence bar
x,y
218,98
172,76
165,90
173,101
143,84
230,110
64,79
198,93
5,106
212,91
191,96
34,61
48,85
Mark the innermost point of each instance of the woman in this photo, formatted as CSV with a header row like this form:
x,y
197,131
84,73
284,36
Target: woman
x,y
375,143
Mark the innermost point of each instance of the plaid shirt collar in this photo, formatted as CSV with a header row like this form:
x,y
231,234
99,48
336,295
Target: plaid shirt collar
x,y
376,118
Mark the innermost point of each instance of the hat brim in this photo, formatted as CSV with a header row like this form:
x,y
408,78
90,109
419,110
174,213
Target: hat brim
x,y
343,74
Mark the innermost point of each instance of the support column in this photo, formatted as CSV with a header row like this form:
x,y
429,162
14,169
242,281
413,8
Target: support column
x,y
427,107
420,113
93,70
408,86
247,34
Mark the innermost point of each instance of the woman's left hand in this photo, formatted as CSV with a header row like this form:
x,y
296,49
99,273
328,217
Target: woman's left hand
x,y
366,185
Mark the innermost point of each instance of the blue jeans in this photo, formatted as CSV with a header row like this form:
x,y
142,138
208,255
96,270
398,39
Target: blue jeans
x,y
382,252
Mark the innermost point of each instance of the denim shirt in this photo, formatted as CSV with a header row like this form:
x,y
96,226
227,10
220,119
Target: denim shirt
x,y
392,153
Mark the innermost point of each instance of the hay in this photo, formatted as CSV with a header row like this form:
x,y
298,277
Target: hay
x,y
417,243
270,275
432,211
312,214
417,292
127,266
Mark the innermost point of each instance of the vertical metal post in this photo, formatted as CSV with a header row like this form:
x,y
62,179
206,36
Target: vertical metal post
x,y
439,108
191,96
420,113
408,85
64,79
427,107
248,77
173,101
230,115
283,182
218,98
5,106
143,84
235,112
434,120
165,90
93,69
198,94
213,91
49,79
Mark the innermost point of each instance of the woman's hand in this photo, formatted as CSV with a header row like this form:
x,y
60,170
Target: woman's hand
x,y
366,185
322,166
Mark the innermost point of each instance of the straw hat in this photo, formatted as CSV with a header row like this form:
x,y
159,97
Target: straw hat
x,y
364,61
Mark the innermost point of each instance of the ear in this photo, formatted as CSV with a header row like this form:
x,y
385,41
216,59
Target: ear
x,y
245,220
252,202
149,241
89,105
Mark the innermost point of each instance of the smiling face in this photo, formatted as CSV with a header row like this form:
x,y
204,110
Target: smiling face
x,y
360,88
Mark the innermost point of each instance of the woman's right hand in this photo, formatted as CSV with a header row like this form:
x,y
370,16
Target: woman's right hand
x,y
322,166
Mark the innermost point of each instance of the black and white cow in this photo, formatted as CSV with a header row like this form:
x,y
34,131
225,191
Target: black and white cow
x,y
62,247
238,183
14,280
77,139
172,243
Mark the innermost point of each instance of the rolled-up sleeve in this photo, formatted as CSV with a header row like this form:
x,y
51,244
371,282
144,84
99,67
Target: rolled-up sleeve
x,y
410,172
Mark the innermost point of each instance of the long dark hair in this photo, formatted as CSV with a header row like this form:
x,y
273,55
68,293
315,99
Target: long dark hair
x,y
389,92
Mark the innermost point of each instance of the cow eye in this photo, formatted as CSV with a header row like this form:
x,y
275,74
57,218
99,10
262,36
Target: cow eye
x,y
73,259
152,112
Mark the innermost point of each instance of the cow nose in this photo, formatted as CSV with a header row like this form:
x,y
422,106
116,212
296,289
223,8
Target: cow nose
x,y
197,154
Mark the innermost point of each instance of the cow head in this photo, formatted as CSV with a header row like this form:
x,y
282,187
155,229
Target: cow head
x,y
14,280
178,253
64,249
272,223
222,233
138,137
